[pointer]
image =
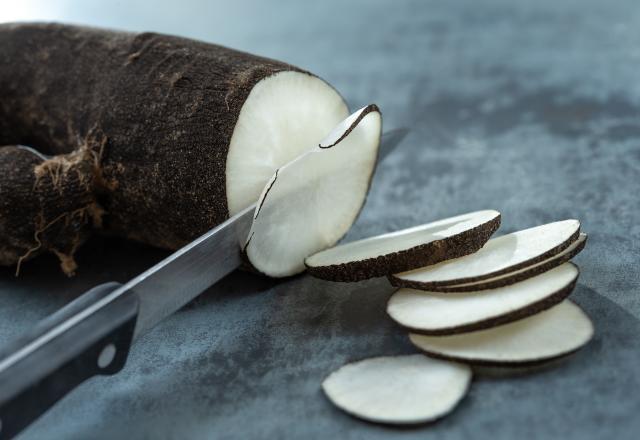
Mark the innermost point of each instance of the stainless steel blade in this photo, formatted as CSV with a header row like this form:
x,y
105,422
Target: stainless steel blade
x,y
175,281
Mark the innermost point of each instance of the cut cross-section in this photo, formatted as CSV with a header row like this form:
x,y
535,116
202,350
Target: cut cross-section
x,y
520,275
434,313
283,116
549,335
408,249
398,390
499,256
310,203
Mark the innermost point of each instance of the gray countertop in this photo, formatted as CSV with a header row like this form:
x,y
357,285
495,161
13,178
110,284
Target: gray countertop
x,y
530,109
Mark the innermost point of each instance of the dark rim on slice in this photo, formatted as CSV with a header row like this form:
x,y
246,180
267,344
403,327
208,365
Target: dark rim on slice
x,y
564,307
400,280
525,311
519,275
432,252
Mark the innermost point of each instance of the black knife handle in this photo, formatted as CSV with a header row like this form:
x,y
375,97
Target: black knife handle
x,y
96,345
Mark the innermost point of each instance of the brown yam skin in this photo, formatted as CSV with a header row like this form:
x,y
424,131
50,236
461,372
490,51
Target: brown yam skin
x,y
45,205
427,254
148,119
515,315
516,278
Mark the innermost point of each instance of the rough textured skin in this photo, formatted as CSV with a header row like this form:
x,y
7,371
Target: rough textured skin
x,y
434,252
515,315
45,205
153,113
530,108
508,279
396,281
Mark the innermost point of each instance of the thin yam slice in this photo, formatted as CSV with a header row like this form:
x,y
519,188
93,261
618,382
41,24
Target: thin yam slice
x,y
407,249
499,256
399,390
310,203
520,275
549,335
434,313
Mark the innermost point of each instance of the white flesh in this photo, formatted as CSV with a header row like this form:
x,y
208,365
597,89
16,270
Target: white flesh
x,y
431,311
310,203
398,390
406,239
284,115
549,261
547,335
497,255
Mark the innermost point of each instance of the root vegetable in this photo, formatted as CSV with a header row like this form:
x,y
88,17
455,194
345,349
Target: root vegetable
x,y
311,202
552,334
520,275
405,250
499,256
398,390
35,215
152,137
434,313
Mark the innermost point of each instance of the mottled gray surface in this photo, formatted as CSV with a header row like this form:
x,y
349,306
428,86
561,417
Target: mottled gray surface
x,y
531,109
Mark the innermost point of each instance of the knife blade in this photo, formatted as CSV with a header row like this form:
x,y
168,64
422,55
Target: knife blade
x,y
98,327
191,270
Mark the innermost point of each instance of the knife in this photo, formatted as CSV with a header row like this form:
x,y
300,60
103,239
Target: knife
x,y
93,334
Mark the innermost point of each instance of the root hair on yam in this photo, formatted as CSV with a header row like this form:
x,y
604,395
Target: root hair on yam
x,y
170,157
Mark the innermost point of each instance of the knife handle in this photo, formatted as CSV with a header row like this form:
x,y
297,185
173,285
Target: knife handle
x,y
96,345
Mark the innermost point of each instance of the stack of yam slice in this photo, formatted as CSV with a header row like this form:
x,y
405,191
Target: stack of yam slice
x,y
470,301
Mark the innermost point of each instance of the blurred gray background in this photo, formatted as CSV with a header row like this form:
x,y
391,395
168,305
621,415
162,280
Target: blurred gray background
x,y
531,108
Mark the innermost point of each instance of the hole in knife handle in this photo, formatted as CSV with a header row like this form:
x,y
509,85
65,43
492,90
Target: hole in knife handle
x,y
106,356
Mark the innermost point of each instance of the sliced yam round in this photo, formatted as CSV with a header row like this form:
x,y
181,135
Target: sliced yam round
x,y
281,115
498,256
403,250
310,203
398,390
434,313
520,275
554,333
